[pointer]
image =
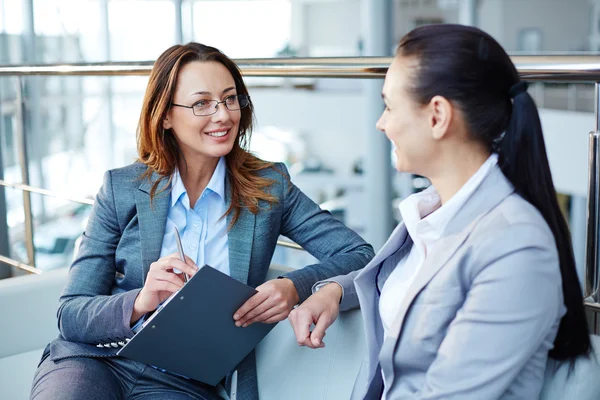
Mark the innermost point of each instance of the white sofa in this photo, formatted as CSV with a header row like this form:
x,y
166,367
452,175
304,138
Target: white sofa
x,y
285,370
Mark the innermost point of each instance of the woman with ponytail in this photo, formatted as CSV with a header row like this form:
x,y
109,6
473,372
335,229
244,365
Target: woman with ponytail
x,y
477,286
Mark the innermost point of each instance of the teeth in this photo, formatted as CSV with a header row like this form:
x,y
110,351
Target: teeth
x,y
217,134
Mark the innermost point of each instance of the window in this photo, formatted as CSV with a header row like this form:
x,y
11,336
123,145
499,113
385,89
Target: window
x,y
243,29
530,40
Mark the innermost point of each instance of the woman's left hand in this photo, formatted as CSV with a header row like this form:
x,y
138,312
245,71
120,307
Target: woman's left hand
x,y
273,303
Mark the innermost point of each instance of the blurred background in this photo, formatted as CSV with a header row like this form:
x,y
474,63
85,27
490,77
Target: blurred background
x,y
323,129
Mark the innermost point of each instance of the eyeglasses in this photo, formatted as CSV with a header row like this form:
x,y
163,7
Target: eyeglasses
x,y
203,108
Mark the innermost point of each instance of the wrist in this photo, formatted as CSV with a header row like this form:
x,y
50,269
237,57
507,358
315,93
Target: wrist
x,y
291,288
333,290
138,309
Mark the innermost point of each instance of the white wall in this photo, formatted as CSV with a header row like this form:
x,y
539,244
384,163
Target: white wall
x,y
331,121
406,13
332,28
564,24
566,135
490,17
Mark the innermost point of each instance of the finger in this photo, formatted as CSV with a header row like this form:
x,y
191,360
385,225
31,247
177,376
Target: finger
x,y
312,345
318,333
163,286
163,276
250,304
176,263
257,312
301,322
262,315
308,343
191,262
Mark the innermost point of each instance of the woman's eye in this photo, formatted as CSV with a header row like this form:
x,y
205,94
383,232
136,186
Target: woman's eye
x,y
202,103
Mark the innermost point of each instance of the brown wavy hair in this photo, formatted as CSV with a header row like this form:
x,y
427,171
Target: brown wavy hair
x,y
158,149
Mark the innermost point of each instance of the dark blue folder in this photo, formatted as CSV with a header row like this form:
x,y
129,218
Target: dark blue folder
x,y
194,334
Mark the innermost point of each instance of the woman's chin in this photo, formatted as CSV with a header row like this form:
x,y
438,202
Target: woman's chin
x,y
399,166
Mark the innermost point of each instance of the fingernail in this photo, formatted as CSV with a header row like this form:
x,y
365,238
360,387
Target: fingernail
x,y
237,324
318,341
236,316
245,325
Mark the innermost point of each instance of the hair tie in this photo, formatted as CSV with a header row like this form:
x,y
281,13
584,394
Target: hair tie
x,y
517,89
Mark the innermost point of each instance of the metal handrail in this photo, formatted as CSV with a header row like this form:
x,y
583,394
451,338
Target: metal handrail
x,y
20,265
549,68
45,192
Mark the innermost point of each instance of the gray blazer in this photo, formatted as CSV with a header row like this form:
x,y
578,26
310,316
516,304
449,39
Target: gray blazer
x,y
482,313
124,236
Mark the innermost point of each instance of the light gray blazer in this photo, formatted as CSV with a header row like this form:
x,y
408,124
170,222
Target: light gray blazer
x,y
482,313
124,236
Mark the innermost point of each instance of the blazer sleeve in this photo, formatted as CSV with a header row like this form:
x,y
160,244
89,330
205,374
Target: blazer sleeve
x,y
349,298
339,249
514,301
87,310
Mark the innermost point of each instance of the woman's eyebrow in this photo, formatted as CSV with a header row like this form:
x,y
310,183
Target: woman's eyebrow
x,y
209,93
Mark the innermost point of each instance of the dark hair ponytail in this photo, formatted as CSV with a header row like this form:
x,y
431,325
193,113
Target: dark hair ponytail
x,y
524,162
468,67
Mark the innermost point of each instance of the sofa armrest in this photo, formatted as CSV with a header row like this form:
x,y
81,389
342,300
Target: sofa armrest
x,y
28,311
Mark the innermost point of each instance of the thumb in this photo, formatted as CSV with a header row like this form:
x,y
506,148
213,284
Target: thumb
x,y
301,322
318,333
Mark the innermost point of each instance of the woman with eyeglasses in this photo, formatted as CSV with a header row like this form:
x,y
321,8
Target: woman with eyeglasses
x,y
195,173
477,286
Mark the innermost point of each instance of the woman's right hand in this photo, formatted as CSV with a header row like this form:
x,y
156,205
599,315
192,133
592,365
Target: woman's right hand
x,y
161,282
322,309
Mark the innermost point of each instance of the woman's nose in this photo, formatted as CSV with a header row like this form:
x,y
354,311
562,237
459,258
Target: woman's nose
x,y
222,113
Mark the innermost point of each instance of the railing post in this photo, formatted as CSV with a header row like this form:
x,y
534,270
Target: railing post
x,y
5,271
592,263
24,164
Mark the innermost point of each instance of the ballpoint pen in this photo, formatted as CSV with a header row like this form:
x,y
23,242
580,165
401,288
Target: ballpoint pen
x,y
181,254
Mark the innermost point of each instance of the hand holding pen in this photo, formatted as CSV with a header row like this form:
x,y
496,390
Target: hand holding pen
x,y
162,281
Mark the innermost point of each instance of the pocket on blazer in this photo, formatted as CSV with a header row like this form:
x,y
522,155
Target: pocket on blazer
x,y
442,296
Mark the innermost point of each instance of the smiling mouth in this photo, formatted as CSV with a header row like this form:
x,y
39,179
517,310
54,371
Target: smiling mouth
x,y
218,133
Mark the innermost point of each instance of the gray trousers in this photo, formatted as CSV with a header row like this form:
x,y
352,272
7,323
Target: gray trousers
x,y
111,378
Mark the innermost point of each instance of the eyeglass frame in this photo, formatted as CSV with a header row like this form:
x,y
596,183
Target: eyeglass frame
x,y
216,102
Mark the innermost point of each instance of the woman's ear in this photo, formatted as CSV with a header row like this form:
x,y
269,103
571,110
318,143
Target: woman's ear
x,y
441,116
167,123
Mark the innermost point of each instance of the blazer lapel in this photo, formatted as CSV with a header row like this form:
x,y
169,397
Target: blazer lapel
x,y
152,219
447,247
366,290
240,240
396,239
